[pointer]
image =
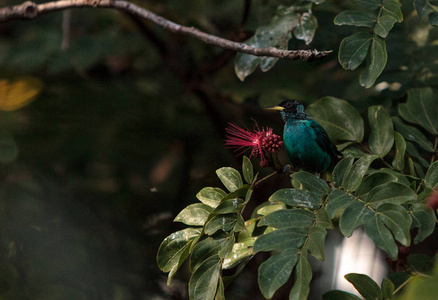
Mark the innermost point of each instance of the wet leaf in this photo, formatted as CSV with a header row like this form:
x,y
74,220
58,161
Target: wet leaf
x,y
194,214
297,198
220,222
230,178
247,170
211,196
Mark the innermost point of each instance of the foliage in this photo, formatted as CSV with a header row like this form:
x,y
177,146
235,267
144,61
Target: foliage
x,y
128,124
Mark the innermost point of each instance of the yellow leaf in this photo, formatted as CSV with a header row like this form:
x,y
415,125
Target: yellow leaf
x,y
19,93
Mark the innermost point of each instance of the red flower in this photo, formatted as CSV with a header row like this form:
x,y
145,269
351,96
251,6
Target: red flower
x,y
262,142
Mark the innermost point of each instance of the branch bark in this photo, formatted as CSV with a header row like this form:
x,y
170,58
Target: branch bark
x,y
30,10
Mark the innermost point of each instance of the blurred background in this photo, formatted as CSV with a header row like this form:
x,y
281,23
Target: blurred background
x,y
110,125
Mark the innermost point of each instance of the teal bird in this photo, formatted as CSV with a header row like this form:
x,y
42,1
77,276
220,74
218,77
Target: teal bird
x,y
307,144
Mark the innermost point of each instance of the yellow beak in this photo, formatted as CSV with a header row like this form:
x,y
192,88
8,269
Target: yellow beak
x,y
276,107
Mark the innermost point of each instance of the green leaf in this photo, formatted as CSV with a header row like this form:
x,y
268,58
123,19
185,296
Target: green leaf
x,y
353,217
369,4
376,62
412,134
240,253
410,148
221,222
280,239
390,192
276,34
400,177
303,276
392,8
276,270
433,19
220,293
230,178
420,263
227,246
203,250
247,170
400,147
342,168
374,180
306,28
315,242
390,13
387,289
397,219
338,202
382,237
211,196
323,219
245,64
203,283
354,49
229,206
431,178
339,295
423,7
311,183
354,176
194,214
423,218
384,25
382,131
421,108
298,218
268,209
341,120
365,286
174,250
297,198
356,18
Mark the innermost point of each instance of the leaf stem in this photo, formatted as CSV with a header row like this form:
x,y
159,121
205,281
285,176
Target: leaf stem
x,y
402,285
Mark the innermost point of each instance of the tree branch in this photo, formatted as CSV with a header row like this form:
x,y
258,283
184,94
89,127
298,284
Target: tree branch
x,y
29,10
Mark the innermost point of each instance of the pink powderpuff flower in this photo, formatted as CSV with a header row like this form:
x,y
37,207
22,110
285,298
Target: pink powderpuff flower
x,y
262,142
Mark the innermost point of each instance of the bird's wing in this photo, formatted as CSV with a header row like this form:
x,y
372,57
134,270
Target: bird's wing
x,y
323,141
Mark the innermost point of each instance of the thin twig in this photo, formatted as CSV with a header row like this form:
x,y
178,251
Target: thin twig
x,y
30,10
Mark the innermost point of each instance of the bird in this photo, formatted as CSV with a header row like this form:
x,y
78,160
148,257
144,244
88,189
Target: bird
x,y
306,142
